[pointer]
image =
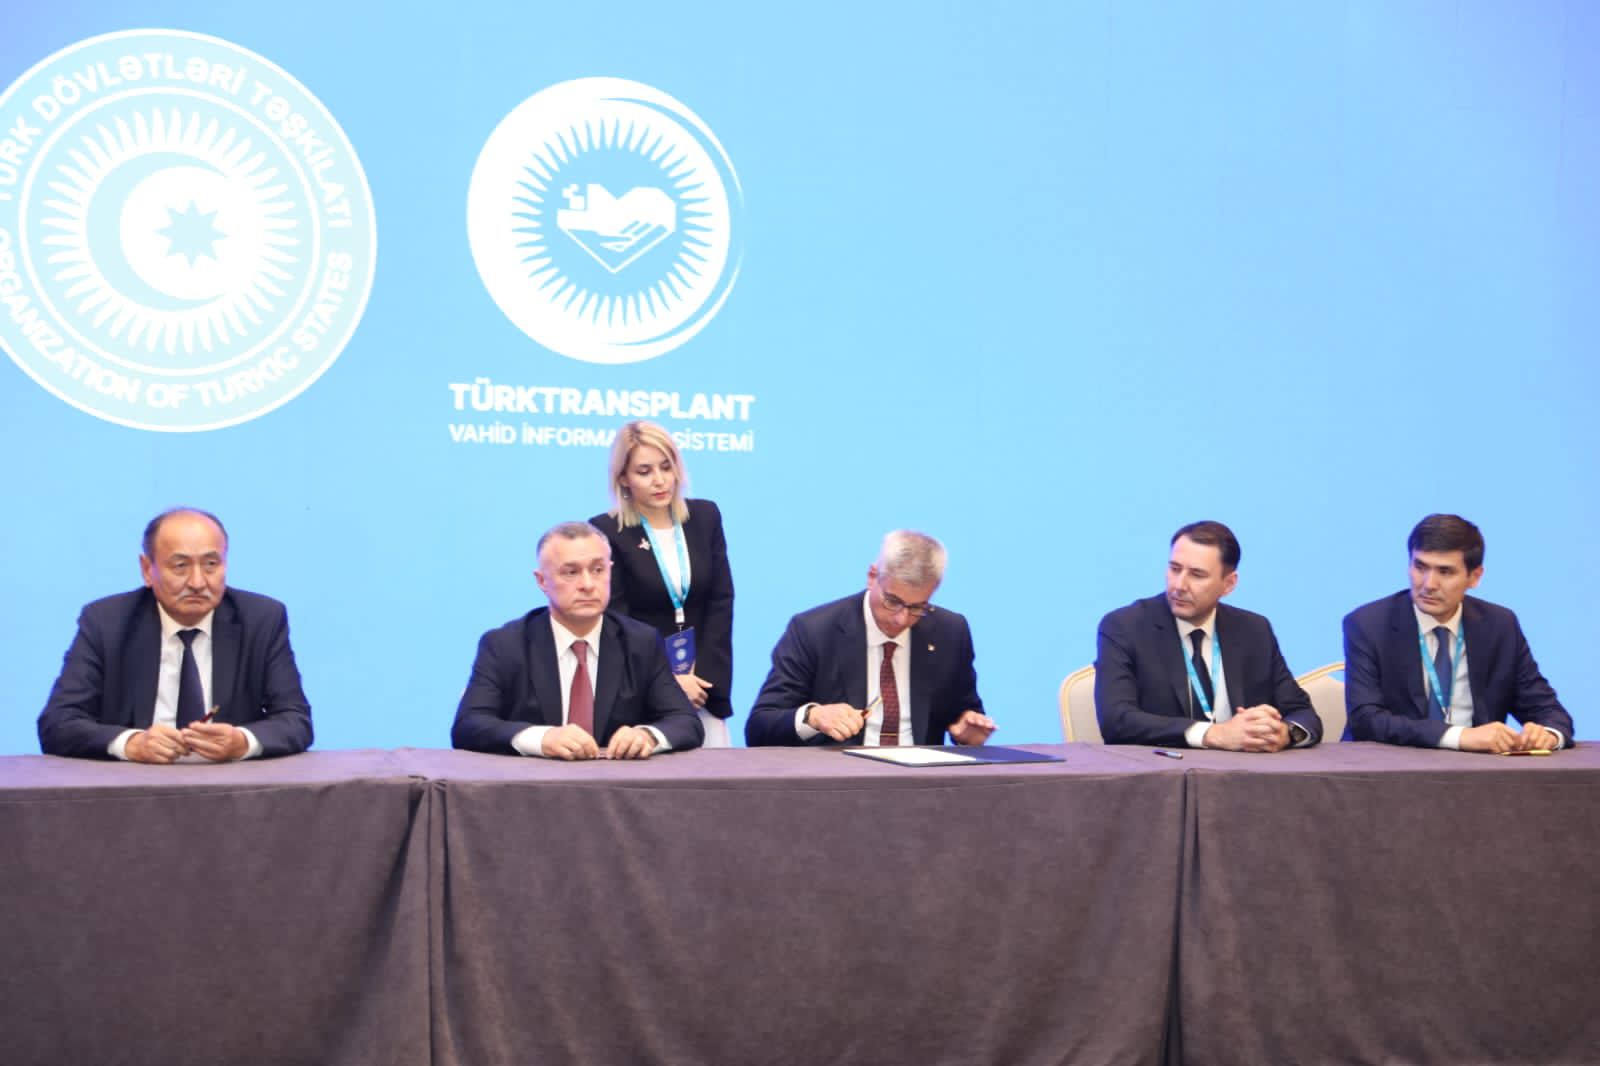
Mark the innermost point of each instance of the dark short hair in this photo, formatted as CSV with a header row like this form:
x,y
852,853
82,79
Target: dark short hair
x,y
1447,533
1218,536
153,529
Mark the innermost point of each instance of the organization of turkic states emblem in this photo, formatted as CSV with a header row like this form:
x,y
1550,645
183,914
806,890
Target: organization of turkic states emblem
x,y
186,236
605,220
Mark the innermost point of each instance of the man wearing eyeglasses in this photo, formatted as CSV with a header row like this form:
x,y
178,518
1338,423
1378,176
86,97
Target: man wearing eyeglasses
x,y
880,668
573,680
1185,669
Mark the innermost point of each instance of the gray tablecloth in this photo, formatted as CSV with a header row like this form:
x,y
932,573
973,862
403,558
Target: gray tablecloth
x,y
1349,903
802,906
1363,903
261,912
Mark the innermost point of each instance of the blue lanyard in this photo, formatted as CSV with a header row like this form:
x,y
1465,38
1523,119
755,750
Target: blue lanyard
x,y
1430,669
1194,678
678,594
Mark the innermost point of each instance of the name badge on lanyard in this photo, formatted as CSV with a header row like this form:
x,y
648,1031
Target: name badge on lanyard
x,y
1194,678
679,592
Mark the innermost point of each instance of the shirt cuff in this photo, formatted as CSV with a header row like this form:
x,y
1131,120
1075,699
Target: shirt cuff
x,y
661,740
1559,733
1299,735
803,731
531,740
1452,737
254,751
118,749
1195,735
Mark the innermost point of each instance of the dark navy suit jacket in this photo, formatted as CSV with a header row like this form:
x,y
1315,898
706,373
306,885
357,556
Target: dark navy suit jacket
x,y
822,658
638,591
108,680
1141,687
516,683
1383,686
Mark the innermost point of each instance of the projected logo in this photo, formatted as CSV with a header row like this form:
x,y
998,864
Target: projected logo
x,y
605,220
186,236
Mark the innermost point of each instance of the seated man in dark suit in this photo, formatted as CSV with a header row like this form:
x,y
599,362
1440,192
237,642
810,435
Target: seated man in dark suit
x,y
1185,668
915,662
184,666
1433,668
574,680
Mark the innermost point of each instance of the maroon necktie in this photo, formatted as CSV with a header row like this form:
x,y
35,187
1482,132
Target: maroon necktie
x,y
889,735
580,701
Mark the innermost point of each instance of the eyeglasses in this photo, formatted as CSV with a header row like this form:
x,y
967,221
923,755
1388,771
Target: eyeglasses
x,y
894,605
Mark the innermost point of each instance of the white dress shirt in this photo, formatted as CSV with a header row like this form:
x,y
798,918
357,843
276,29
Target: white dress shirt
x,y
1221,709
670,539
1458,716
872,735
531,739
170,675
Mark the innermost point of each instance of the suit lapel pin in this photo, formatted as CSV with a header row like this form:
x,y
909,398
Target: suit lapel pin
x,y
930,647
644,543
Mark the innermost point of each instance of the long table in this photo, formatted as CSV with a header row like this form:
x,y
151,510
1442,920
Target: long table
x,y
1351,902
803,906
1366,903
259,912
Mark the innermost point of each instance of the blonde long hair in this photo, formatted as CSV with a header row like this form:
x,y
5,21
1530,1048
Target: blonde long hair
x,y
648,434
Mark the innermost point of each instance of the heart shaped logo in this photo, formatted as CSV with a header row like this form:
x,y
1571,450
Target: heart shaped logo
x,y
606,220
617,230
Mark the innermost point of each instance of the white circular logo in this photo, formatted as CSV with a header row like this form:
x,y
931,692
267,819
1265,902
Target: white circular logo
x,y
606,220
186,236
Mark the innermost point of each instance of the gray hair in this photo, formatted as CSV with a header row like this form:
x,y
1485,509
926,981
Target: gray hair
x,y
570,531
912,557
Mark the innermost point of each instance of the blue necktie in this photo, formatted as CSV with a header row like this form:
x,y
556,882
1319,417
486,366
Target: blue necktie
x,y
1444,674
191,697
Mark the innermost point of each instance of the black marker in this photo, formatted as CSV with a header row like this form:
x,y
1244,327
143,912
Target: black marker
x,y
1164,753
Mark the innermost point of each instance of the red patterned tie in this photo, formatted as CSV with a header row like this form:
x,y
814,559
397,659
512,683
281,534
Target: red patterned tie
x,y
889,735
580,701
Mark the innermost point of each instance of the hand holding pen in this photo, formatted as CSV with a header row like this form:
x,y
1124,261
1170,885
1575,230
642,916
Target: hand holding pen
x,y
216,741
163,743
839,721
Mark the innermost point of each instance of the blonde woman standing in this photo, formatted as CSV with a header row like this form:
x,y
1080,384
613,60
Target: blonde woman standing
x,y
669,567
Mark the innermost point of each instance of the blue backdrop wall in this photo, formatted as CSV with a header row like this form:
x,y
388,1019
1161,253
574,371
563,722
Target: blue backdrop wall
x,y
1044,280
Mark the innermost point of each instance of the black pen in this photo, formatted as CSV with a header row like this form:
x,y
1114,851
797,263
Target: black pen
x,y
1164,753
